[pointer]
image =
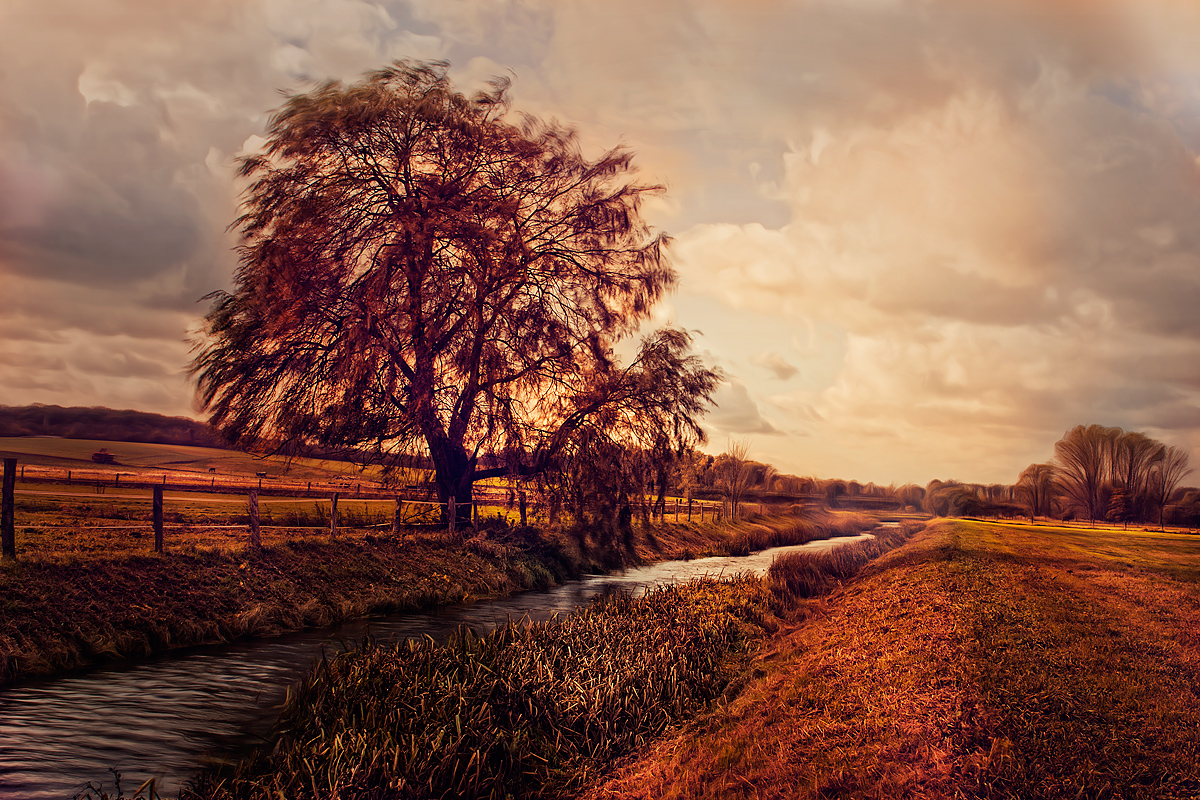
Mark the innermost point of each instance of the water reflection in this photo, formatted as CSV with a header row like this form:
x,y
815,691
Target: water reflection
x,y
161,718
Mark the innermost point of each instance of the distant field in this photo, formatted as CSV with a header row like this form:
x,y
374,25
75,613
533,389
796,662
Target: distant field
x,y
65,453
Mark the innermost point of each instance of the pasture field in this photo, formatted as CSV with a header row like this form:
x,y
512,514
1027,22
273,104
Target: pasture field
x,y
982,659
137,457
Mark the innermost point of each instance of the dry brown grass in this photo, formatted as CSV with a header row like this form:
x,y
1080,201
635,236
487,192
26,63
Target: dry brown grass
x,y
978,661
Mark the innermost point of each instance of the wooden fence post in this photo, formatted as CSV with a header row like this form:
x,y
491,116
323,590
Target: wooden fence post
x,y
523,508
453,513
158,519
8,519
677,509
255,530
333,515
396,518
68,477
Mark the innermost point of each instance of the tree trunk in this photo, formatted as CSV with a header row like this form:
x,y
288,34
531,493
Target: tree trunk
x,y
453,474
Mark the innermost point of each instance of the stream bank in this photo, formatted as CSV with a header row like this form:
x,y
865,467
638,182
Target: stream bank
x,y
65,614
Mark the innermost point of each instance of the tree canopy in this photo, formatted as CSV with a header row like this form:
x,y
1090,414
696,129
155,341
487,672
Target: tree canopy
x,y
418,274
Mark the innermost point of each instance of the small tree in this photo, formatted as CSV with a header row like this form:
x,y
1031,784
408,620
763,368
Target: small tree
x,y
419,275
1165,476
736,473
1036,485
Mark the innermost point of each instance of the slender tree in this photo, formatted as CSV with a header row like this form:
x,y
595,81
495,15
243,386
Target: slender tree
x,y
737,473
1165,477
419,274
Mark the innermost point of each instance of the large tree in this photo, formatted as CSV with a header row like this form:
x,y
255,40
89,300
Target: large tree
x,y
1085,457
419,274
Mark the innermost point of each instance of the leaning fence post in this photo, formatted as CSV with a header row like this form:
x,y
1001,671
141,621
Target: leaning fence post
x,y
255,535
158,519
396,518
8,526
333,515
453,514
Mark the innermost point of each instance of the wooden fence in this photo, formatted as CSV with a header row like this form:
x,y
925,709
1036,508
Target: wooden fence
x,y
252,489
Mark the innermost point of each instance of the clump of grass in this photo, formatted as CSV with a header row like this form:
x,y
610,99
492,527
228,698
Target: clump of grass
x,y
530,710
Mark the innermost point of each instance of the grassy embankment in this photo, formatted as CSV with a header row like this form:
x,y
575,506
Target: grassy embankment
x,y
981,660
530,711
85,594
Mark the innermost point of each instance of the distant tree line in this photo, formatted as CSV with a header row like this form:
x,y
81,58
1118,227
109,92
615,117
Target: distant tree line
x,y
1103,473
1098,473
105,424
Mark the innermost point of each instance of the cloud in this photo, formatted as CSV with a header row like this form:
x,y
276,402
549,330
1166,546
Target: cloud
x,y
975,224
736,412
776,365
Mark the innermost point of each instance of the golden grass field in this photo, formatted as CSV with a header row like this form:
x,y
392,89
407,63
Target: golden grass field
x,y
980,660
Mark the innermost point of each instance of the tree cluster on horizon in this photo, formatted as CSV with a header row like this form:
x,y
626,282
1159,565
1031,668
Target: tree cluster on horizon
x,y
1105,473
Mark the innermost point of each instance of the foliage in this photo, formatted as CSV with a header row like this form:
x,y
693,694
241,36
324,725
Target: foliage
x,y
419,275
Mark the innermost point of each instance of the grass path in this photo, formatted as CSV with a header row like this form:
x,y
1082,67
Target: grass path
x,y
980,660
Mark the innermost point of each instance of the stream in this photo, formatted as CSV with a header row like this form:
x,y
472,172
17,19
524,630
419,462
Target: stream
x,y
164,718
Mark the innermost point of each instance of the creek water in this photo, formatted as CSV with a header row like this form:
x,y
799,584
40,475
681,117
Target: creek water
x,y
165,718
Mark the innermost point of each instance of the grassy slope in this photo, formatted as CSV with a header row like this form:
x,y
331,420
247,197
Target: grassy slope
x,y
980,660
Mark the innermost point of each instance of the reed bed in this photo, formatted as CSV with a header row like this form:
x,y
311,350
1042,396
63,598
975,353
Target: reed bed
x,y
751,536
802,575
528,711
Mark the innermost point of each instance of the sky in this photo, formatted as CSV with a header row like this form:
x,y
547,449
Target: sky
x,y
921,238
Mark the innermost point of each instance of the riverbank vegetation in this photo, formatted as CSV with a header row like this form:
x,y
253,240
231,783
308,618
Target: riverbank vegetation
x,y
82,596
529,711
980,660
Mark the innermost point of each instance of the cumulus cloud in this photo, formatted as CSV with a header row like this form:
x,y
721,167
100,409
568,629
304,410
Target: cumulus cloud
x,y
736,412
